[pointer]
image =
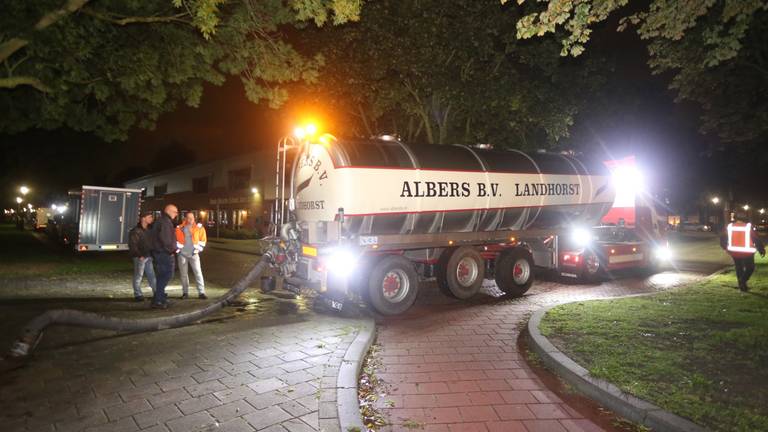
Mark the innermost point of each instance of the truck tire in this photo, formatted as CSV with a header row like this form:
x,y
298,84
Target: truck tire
x,y
594,268
514,272
392,285
460,272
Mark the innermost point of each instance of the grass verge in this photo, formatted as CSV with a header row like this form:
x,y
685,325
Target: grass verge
x,y
700,352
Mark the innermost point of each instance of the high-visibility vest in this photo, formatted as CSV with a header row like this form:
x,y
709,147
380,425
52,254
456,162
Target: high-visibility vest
x,y
199,237
740,239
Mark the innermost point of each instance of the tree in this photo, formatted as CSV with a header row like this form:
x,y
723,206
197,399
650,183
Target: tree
x,y
446,72
110,65
715,50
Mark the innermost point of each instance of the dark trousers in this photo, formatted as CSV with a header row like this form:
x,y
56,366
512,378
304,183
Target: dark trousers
x,y
745,266
164,267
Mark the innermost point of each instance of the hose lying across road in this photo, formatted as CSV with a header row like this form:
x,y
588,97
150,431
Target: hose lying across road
x,y
33,331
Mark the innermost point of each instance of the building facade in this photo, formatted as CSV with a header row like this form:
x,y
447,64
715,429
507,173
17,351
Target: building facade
x,y
235,193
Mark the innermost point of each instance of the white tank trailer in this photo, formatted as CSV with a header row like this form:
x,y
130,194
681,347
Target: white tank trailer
x,y
370,218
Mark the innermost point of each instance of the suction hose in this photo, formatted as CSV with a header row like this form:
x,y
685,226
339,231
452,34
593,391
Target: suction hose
x,y
33,331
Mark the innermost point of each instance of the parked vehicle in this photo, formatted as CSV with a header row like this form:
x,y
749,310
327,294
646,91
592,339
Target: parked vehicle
x,y
42,215
368,218
694,227
98,218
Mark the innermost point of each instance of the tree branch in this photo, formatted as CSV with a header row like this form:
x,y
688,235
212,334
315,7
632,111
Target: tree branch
x,y
12,45
127,20
13,82
52,17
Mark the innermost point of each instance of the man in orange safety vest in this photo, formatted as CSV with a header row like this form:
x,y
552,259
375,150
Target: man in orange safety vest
x,y
741,242
190,241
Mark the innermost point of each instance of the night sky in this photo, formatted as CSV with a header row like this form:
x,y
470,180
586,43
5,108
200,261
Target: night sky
x,y
635,114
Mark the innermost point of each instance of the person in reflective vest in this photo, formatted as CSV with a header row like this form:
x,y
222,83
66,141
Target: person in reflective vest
x,y
741,242
190,241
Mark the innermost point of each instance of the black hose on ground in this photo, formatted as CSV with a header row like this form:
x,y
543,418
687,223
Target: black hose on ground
x,y
33,331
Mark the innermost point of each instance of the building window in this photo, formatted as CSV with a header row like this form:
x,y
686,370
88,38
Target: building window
x,y
160,190
200,185
239,179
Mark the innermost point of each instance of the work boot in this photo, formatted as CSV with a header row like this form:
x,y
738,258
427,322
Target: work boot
x,y
744,287
203,296
184,296
138,299
159,305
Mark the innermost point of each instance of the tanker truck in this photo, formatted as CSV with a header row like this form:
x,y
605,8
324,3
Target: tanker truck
x,y
368,219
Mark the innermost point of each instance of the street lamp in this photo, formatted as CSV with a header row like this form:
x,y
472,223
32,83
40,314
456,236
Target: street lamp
x,y
715,200
761,211
254,190
746,207
19,200
24,190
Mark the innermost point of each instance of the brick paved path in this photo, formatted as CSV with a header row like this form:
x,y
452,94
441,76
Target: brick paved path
x,y
455,367
241,374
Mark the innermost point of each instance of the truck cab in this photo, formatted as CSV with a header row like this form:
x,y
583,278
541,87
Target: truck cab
x,y
631,235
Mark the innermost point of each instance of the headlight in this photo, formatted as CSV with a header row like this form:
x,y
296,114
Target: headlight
x,y
581,236
663,253
341,262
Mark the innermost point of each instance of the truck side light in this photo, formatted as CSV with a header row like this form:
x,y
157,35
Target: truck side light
x,y
450,242
566,257
613,251
309,251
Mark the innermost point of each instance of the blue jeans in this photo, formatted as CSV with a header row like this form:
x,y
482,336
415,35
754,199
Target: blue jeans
x,y
141,267
164,267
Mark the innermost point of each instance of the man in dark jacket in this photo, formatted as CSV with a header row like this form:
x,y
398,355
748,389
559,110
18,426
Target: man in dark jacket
x,y
163,253
140,249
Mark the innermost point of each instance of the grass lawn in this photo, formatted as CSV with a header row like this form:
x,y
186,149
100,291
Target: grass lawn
x,y
700,352
26,254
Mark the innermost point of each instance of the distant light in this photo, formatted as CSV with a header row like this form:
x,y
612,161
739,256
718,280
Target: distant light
x,y
53,206
19,200
715,200
299,132
24,190
311,129
762,211
254,190
29,206
746,207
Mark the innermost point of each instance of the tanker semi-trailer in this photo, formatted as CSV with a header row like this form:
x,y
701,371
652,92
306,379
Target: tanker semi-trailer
x,y
369,218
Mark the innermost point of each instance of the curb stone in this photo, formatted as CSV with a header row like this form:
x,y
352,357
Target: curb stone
x,y
347,381
607,394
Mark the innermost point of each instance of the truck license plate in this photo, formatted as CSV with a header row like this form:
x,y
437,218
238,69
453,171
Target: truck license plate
x,y
334,304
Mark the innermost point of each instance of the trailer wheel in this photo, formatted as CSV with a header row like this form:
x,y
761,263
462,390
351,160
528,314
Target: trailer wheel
x,y
460,272
392,285
514,272
594,269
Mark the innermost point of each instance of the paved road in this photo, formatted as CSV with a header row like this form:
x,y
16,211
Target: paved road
x,y
453,366
269,364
